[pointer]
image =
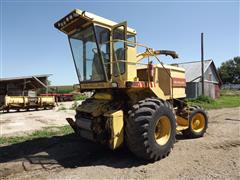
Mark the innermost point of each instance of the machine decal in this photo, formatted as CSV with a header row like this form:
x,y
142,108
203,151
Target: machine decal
x,y
179,82
141,84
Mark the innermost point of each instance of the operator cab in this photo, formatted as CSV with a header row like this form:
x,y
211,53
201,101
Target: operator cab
x,y
98,47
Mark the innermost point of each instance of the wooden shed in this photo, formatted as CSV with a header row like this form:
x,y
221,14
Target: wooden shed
x,y
212,80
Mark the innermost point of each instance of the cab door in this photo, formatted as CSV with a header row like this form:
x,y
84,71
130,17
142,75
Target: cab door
x,y
119,50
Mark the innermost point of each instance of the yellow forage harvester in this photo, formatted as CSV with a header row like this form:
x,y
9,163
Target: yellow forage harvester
x,y
138,104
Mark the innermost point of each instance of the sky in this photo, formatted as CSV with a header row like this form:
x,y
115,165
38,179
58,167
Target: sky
x,y
30,45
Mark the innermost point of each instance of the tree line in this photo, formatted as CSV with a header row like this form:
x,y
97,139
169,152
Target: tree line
x,y
229,71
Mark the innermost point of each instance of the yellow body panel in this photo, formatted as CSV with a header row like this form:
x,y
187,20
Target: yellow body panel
x,y
103,96
116,126
131,67
96,85
182,123
95,107
177,73
159,93
181,128
179,93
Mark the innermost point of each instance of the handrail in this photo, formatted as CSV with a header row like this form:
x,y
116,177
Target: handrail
x,y
149,50
130,42
126,62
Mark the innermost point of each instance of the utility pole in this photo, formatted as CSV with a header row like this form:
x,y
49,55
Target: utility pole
x,y
202,62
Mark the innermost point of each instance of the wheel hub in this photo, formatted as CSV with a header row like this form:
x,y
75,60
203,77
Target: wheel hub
x,y
198,122
163,130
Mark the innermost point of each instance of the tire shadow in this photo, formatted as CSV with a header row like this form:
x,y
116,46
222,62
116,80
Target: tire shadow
x,y
180,137
23,110
68,151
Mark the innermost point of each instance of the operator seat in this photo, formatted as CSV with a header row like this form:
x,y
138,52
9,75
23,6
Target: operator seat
x,y
96,68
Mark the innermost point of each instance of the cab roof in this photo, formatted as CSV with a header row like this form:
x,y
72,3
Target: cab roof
x,y
83,18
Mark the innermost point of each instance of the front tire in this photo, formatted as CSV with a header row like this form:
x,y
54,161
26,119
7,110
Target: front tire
x,y
150,129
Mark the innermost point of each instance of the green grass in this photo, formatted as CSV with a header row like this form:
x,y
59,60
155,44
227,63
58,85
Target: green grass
x,y
224,101
228,92
44,133
79,97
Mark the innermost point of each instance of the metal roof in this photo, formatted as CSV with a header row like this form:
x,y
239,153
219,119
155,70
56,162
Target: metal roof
x,y
193,69
28,82
78,14
24,77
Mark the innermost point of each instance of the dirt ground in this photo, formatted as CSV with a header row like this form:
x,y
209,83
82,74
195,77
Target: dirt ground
x,y
215,156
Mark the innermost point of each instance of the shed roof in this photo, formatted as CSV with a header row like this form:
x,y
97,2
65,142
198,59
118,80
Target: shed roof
x,y
37,81
24,77
193,70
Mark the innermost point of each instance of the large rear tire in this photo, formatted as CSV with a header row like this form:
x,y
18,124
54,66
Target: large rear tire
x,y
150,129
198,122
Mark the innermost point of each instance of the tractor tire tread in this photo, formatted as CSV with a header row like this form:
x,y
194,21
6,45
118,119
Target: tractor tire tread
x,y
137,129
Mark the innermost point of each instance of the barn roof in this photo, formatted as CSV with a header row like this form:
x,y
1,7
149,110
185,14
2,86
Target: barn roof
x,y
193,70
24,77
37,81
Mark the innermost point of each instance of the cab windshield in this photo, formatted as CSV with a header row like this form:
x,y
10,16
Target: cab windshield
x,y
90,49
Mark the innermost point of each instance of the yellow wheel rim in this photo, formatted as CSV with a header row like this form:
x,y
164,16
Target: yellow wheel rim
x,y
198,122
163,130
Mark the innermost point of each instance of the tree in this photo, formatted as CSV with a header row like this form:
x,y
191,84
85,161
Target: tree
x,y
230,71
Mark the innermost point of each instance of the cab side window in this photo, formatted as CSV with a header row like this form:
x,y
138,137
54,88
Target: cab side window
x,y
118,51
